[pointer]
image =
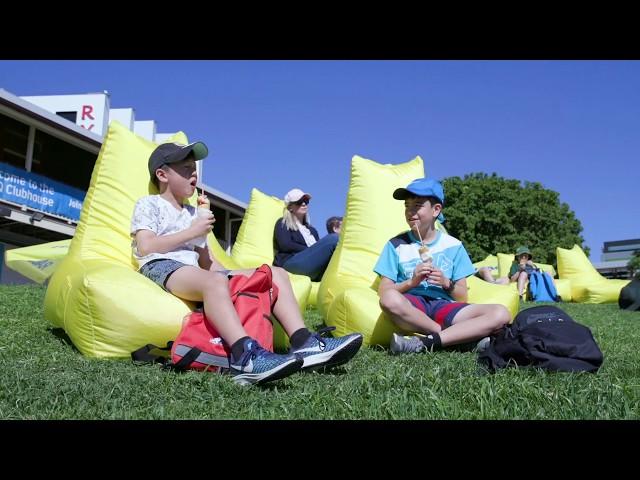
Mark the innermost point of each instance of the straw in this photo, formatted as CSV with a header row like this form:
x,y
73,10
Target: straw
x,y
201,192
415,225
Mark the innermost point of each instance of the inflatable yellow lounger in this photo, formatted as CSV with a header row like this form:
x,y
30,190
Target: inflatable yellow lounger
x,y
37,262
587,285
96,295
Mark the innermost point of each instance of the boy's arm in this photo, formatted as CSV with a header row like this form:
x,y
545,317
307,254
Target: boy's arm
x,y
460,293
402,287
207,261
148,242
204,258
456,284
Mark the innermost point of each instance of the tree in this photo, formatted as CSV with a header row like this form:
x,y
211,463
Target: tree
x,y
634,264
491,214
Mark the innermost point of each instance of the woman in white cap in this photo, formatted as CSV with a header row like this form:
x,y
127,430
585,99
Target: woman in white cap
x,y
297,244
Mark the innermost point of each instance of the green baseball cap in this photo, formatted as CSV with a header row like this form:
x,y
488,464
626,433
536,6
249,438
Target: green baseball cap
x,y
522,250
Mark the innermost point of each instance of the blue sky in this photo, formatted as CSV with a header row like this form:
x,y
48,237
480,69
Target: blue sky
x,y
571,125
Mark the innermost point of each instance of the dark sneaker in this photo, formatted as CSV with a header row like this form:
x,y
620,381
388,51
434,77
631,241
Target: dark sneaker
x,y
319,351
257,365
482,345
406,344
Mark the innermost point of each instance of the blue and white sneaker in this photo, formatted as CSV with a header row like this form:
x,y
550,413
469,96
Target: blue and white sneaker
x,y
257,365
322,352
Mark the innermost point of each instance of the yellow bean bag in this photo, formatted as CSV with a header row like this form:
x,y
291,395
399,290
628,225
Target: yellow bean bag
x,y
563,287
254,243
348,297
37,262
105,306
587,285
483,292
313,294
96,295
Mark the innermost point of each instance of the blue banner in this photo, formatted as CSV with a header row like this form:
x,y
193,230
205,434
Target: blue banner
x,y
40,193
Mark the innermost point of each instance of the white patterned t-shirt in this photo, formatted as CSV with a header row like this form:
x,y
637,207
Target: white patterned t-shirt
x,y
156,214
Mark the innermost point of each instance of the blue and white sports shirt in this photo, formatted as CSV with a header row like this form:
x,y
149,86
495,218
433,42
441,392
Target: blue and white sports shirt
x,y
400,256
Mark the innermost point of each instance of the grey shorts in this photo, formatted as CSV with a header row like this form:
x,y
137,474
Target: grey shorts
x,y
160,270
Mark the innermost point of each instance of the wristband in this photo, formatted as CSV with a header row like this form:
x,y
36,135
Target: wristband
x,y
452,285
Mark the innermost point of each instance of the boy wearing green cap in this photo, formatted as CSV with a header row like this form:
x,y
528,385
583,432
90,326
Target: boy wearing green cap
x,y
521,268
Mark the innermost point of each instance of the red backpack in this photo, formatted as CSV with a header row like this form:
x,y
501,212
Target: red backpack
x,y
199,346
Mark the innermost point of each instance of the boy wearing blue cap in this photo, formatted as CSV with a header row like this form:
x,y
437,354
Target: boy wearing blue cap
x,y
423,285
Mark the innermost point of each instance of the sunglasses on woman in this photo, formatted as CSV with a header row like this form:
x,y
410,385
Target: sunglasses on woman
x,y
301,202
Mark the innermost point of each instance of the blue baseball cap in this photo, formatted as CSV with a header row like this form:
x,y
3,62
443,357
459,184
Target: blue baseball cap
x,y
422,187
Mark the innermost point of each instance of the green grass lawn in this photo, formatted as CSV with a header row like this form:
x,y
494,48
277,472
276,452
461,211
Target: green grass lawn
x,y
43,377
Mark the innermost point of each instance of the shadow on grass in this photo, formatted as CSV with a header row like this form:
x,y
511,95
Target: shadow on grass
x,y
276,384
61,335
335,371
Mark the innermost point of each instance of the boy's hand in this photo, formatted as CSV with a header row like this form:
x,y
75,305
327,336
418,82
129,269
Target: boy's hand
x,y
202,225
420,273
436,277
203,201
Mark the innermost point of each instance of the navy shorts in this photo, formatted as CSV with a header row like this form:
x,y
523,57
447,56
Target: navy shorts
x,y
440,311
161,269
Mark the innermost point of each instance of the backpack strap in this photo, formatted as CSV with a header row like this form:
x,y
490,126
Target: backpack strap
x,y
534,285
187,359
152,354
550,286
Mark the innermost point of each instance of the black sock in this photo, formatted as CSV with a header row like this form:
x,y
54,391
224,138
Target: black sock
x,y
238,348
299,337
432,341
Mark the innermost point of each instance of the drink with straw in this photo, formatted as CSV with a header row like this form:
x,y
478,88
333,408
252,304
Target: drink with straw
x,y
203,210
204,205
423,250
424,254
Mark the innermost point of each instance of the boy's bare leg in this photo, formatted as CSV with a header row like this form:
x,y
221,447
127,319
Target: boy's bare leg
x,y
196,284
405,315
522,282
475,322
485,273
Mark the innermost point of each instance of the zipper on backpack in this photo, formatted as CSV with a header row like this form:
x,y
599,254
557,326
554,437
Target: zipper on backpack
x,y
245,294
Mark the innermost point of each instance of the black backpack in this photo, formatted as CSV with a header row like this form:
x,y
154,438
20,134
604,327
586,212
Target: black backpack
x,y
629,298
543,337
